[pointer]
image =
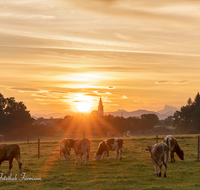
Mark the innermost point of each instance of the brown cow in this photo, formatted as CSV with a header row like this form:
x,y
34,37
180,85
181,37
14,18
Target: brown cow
x,y
65,149
81,147
173,147
9,152
159,153
112,144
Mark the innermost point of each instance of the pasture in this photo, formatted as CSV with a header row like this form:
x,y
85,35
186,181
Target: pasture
x,y
135,171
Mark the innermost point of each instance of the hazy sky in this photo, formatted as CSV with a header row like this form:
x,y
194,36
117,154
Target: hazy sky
x,y
55,54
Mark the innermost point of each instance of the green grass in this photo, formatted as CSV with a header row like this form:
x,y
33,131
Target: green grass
x,y
135,171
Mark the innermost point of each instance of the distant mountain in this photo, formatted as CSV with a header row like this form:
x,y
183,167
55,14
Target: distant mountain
x,y
162,114
167,109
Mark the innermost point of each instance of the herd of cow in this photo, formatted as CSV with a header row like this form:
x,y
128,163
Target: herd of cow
x,y
159,152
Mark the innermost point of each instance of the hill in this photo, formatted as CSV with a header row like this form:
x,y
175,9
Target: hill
x,y
162,114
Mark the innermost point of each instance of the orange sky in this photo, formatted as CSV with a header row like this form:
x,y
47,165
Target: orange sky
x,y
56,54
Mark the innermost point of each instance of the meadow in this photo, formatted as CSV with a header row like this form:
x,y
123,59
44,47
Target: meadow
x,y
135,171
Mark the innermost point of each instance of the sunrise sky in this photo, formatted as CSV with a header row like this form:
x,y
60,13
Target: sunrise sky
x,y
56,55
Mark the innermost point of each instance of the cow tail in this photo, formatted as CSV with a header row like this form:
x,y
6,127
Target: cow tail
x,y
166,153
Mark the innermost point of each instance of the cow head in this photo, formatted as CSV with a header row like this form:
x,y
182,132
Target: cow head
x,y
97,156
67,153
148,149
102,147
71,143
181,154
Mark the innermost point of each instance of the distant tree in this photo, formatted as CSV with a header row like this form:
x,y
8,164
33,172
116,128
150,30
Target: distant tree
x,y
16,120
149,121
2,115
168,121
188,116
189,102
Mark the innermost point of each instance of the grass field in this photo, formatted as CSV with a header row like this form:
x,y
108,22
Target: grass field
x,y
135,171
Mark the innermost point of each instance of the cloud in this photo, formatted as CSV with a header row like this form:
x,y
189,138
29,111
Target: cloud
x,y
78,101
25,89
124,97
173,82
110,87
95,95
58,92
24,17
147,11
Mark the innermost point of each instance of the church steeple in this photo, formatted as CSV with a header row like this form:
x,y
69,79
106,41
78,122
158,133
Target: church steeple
x,y
100,108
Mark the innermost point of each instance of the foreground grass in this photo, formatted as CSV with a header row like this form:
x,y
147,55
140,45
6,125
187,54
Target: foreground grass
x,y
135,171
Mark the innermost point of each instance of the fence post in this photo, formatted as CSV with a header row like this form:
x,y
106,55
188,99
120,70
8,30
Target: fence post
x,y
38,148
156,138
198,148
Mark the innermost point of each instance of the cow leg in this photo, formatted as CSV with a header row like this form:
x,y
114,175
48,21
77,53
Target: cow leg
x,y
155,166
160,166
117,153
76,159
165,165
172,156
108,154
10,165
120,153
0,168
81,159
104,155
60,154
88,152
19,163
85,158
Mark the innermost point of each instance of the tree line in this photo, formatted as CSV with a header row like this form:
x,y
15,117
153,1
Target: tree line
x,y
16,121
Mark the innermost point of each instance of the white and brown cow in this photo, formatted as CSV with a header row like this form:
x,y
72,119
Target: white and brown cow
x,y
173,147
112,144
81,147
159,153
65,149
9,152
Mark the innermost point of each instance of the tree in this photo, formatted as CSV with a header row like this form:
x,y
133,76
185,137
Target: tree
x,y
2,115
188,116
15,119
149,121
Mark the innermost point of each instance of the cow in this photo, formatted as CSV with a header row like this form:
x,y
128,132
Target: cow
x,y
159,153
173,147
81,147
111,144
9,152
65,149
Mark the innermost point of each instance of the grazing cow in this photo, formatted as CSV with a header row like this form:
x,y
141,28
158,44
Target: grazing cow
x,y
159,153
65,149
81,147
112,144
173,147
9,152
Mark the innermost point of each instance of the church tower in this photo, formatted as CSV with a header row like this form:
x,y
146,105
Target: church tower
x,y
100,108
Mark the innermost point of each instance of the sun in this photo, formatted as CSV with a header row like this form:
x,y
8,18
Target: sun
x,y
83,106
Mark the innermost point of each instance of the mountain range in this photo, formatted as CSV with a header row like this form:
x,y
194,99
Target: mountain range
x,y
162,114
